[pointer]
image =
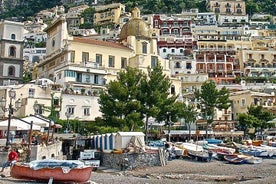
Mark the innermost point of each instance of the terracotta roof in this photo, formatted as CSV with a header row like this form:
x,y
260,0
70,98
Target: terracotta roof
x,y
101,43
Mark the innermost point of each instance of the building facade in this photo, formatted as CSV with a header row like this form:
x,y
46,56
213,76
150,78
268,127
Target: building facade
x,y
227,7
11,57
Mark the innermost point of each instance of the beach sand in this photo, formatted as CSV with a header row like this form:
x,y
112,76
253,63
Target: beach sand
x,y
189,171
183,171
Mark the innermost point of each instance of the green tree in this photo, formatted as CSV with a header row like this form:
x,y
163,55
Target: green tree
x,y
251,7
88,15
154,95
263,117
246,121
119,103
188,113
209,98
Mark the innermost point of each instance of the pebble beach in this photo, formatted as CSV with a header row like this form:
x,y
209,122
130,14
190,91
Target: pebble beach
x,y
183,171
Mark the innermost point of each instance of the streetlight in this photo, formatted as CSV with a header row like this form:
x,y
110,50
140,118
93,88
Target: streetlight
x,y
10,109
67,114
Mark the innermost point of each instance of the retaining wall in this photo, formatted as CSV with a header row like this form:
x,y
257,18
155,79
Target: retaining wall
x,y
127,161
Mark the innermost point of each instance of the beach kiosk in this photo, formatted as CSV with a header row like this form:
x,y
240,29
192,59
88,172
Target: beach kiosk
x,y
123,138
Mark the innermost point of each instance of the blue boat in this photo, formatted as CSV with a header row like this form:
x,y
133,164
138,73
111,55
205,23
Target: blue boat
x,y
214,141
254,152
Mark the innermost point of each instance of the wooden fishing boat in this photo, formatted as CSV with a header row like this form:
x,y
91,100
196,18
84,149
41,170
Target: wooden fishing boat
x,y
55,170
235,159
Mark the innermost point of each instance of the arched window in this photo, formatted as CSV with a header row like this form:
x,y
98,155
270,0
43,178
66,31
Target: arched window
x,y
144,48
11,71
13,36
177,65
12,51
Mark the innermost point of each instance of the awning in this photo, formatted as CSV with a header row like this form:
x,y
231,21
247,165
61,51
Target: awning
x,y
16,124
37,121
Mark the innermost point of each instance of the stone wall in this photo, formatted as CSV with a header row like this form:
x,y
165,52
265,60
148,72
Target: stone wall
x,y
127,161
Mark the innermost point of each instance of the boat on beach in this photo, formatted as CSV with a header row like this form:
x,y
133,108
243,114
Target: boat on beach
x,y
50,169
242,159
235,159
195,151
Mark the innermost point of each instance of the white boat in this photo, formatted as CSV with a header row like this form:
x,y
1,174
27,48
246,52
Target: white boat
x,y
195,151
253,160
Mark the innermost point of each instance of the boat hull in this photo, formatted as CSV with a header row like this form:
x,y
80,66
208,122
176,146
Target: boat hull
x,y
234,159
79,175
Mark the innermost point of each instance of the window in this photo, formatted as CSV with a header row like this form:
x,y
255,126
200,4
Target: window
x,y
86,111
155,23
164,50
177,65
165,31
39,110
13,36
181,50
175,31
31,92
111,61
243,102
56,101
85,57
71,110
70,73
250,56
123,62
99,59
96,79
262,56
73,56
87,78
53,43
188,66
175,24
164,24
11,71
144,48
173,50
173,90
153,61
12,51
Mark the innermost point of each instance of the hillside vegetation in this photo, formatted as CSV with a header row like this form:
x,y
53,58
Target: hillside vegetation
x,y
29,8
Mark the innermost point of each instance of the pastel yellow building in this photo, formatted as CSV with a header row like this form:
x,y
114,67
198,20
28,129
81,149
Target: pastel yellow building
x,y
107,14
85,64
241,100
229,7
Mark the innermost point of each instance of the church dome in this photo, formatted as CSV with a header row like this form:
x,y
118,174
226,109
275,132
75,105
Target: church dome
x,y
135,26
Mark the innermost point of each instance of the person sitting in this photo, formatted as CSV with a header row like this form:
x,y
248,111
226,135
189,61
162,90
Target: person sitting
x,y
12,159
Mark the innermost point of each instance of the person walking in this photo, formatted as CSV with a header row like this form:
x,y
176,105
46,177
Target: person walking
x,y
12,159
